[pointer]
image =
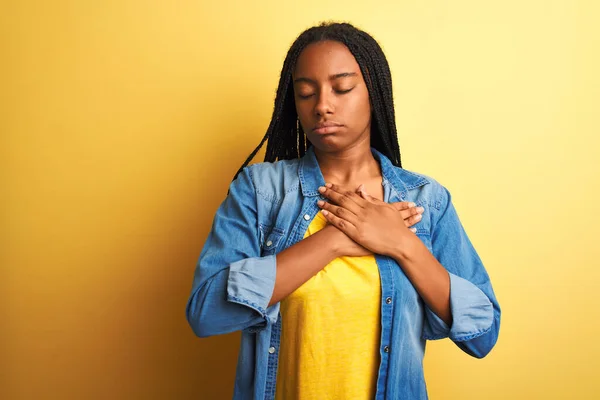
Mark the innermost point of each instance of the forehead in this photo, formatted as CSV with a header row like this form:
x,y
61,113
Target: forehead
x,y
324,59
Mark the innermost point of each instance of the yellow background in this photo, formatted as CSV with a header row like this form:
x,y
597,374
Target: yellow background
x,y
122,123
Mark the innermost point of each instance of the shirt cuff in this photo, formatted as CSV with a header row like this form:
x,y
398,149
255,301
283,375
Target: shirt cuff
x,y
251,282
472,313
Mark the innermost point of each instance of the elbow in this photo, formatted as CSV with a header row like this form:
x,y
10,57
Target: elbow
x,y
481,346
197,319
201,325
198,325
478,347
478,351
201,330
208,317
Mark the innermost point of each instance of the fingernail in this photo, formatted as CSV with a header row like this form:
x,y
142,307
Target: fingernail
x,y
325,212
413,230
420,209
418,216
411,204
321,189
320,203
328,185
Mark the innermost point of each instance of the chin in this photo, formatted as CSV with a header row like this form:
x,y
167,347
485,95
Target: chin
x,y
328,144
333,142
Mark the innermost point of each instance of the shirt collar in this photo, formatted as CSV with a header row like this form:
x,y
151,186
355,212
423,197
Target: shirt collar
x,y
399,180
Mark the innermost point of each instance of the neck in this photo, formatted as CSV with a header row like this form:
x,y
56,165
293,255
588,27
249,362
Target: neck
x,y
350,166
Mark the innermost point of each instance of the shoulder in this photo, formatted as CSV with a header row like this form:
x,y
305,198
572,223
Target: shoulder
x,y
423,190
271,180
408,180
428,192
277,169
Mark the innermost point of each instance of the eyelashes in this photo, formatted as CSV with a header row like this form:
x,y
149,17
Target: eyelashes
x,y
307,96
344,91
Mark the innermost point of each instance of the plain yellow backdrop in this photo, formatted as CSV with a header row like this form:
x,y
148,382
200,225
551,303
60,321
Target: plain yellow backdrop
x,y
123,122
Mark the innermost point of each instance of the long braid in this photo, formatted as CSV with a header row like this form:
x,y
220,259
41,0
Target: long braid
x,y
285,137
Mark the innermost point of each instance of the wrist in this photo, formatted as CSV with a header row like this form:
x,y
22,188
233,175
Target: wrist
x,y
329,240
406,248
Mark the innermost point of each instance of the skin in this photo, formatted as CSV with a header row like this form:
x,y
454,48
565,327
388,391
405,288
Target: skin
x,y
329,87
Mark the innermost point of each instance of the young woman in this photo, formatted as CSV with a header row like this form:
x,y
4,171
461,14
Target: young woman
x,y
335,262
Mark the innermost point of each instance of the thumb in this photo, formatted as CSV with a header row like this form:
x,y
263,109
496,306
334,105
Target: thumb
x,y
363,192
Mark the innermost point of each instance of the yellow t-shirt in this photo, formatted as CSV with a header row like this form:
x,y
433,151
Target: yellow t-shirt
x,y
331,331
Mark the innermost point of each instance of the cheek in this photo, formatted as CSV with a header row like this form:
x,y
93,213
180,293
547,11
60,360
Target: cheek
x,y
304,115
359,108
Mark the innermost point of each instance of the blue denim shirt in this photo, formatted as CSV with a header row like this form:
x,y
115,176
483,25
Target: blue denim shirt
x,y
267,210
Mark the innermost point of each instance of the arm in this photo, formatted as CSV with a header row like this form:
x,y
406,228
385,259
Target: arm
x,y
298,263
234,288
452,280
473,304
429,278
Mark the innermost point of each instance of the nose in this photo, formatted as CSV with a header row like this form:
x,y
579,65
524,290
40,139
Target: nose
x,y
324,104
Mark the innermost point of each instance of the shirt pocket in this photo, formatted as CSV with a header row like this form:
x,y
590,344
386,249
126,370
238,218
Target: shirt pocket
x,y
270,238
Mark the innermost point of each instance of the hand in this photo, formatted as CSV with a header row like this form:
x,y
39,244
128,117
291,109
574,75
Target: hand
x,y
371,223
409,210
342,245
411,214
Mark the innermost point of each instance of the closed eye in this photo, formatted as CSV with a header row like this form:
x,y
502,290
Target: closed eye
x,y
344,91
306,96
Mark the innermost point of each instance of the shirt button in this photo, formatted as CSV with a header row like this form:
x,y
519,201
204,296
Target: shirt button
x,y
388,300
269,243
386,349
271,350
306,217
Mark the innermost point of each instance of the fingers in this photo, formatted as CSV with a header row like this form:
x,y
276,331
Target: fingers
x,y
363,192
412,220
348,205
343,225
412,212
403,205
337,212
342,197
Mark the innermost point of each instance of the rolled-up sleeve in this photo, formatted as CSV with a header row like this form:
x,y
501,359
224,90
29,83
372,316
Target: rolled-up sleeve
x,y
232,283
251,283
474,307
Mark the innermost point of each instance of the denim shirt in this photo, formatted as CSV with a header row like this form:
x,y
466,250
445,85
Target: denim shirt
x,y
268,209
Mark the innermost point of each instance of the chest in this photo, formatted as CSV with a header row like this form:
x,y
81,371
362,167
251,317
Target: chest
x,y
373,187
351,280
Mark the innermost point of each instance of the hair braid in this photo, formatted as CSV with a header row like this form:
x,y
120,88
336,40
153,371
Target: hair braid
x,y
285,137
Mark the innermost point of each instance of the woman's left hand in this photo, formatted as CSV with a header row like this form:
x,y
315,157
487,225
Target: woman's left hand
x,y
370,222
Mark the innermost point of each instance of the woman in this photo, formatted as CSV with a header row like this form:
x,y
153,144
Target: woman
x,y
338,304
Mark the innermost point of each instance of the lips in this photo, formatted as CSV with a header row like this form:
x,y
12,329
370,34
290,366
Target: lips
x,y
326,127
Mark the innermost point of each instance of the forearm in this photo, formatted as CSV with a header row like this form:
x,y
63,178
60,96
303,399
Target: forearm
x,y
427,275
300,262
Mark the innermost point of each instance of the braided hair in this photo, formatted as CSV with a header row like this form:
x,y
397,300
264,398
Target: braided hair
x,y
285,137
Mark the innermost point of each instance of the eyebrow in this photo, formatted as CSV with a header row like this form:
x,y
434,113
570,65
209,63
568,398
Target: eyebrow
x,y
331,77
